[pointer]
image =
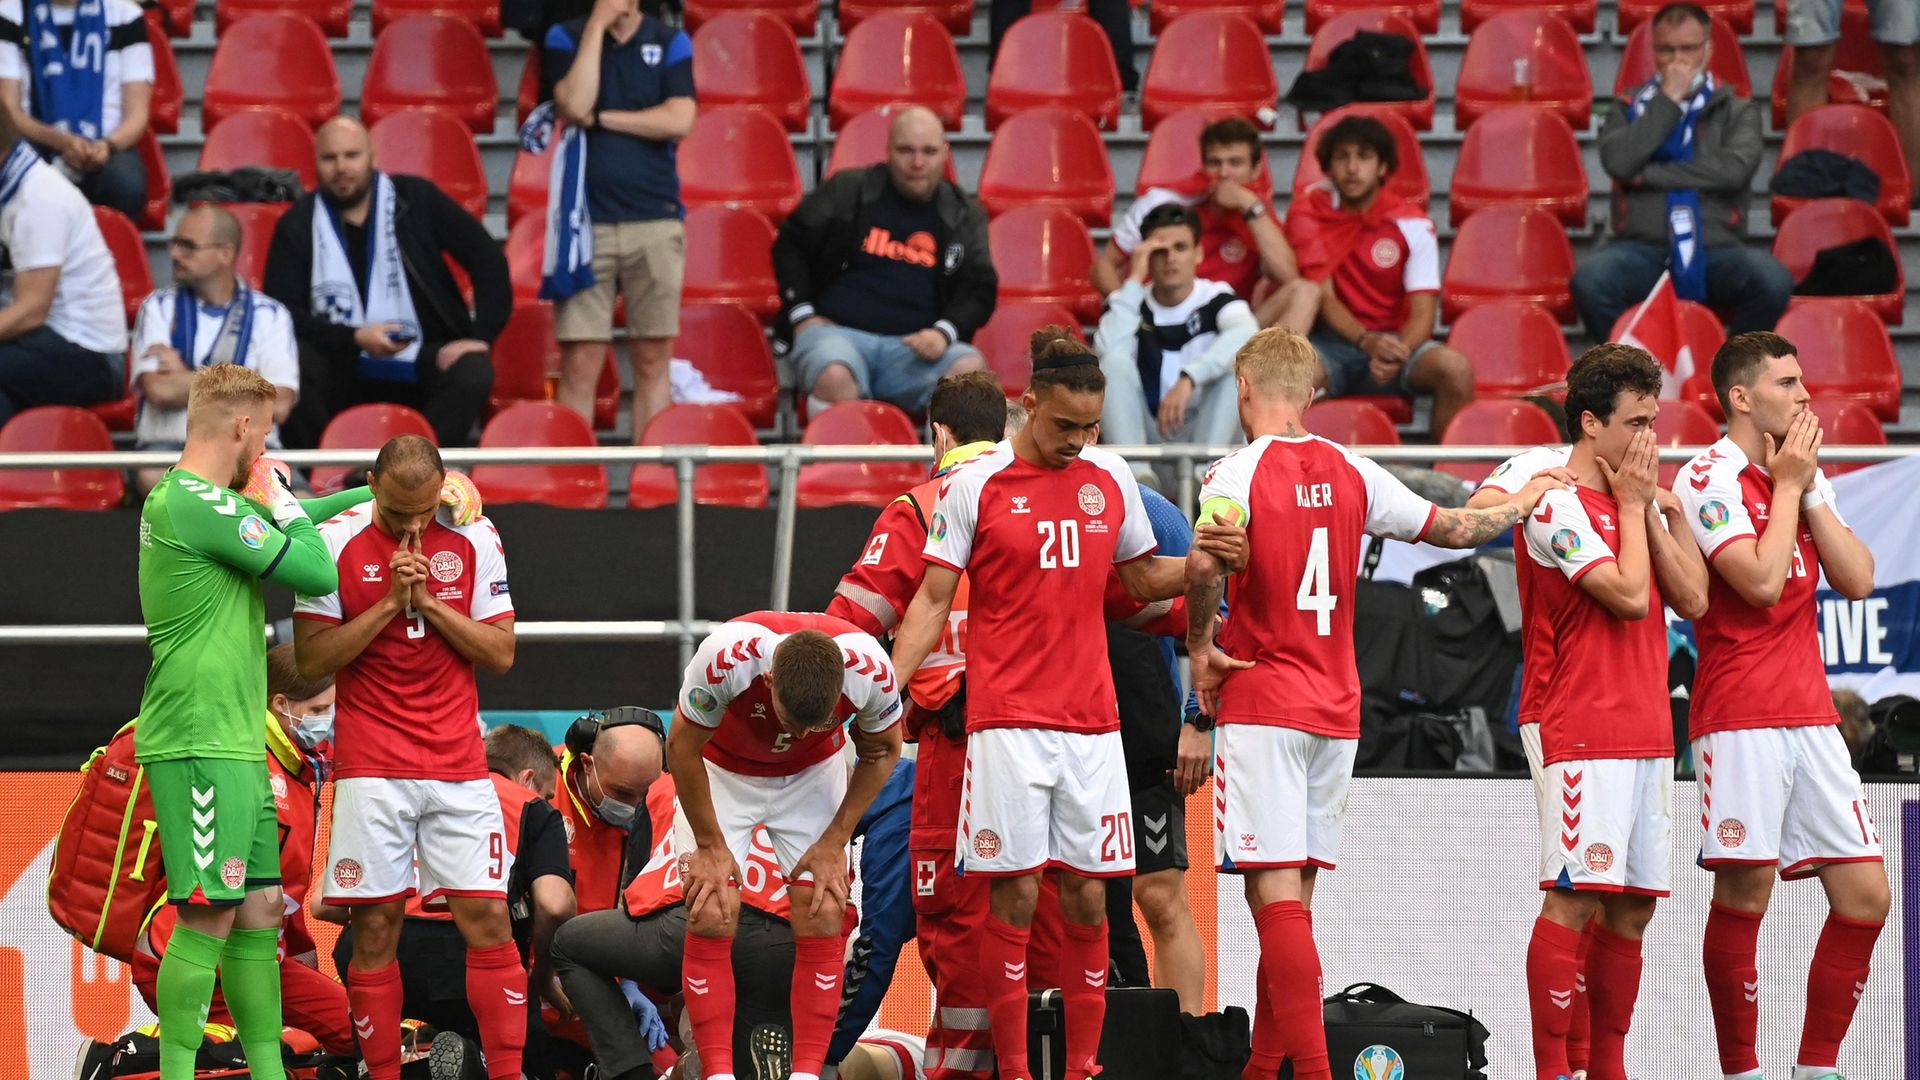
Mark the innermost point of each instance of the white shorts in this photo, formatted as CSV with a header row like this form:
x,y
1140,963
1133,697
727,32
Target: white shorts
x,y
1546,800
1613,827
1036,798
794,809
381,826
1279,796
1785,796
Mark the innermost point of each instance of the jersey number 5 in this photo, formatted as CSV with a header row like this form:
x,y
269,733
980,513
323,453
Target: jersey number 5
x,y
1316,590
1067,534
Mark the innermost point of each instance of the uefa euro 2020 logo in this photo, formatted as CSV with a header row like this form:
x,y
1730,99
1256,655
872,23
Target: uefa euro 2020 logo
x,y
1379,1062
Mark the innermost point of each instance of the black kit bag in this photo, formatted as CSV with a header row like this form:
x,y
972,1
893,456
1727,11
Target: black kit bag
x,y
1140,1041
1375,1033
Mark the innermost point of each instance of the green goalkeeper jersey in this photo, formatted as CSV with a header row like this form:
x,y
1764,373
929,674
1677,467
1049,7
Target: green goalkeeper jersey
x,y
204,549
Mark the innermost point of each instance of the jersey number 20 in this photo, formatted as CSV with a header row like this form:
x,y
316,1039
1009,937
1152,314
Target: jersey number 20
x,y
1067,534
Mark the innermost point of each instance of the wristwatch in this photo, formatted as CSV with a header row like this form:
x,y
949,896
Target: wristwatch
x,y
1199,721
1255,212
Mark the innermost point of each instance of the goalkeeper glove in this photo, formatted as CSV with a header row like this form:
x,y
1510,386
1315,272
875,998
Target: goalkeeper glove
x,y
269,483
461,498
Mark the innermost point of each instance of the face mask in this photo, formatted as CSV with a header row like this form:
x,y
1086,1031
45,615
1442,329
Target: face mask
x,y
311,731
611,810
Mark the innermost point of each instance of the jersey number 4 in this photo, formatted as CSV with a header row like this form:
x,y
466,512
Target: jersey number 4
x,y
1316,589
1066,534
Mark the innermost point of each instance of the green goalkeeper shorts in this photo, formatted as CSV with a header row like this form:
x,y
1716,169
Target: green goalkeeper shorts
x,y
219,835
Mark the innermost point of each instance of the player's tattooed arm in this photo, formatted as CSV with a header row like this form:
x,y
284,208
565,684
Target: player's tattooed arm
x,y
1207,666
1453,528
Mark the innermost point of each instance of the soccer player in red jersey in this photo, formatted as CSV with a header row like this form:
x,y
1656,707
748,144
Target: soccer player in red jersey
x,y
422,601
757,740
1281,679
1779,791
1606,556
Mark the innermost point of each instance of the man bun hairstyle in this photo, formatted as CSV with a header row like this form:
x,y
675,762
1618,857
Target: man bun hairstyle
x,y
1595,381
1061,361
1740,361
809,677
972,405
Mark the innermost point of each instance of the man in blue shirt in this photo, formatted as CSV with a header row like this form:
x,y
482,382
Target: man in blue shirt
x,y
627,79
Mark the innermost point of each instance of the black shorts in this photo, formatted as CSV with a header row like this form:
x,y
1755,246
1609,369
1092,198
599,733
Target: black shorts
x,y
1159,828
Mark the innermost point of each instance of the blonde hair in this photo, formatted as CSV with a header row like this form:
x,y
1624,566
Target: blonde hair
x,y
1277,362
220,391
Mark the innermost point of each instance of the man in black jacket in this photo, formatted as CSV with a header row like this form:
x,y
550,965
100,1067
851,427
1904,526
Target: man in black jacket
x,y
361,264
884,274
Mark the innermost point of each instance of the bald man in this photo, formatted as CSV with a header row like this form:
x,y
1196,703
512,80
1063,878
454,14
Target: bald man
x,y
361,264
885,275
207,316
603,782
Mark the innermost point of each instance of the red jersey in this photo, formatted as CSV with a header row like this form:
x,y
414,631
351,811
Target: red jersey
x,y
1759,667
1036,544
597,850
874,594
1606,696
407,706
1536,638
658,884
726,690
1306,503
1376,259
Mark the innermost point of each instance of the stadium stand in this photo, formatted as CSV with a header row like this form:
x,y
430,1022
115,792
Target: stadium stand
x,y
898,58
713,485
541,423
1495,423
752,58
1004,340
1521,155
433,143
1517,348
730,259
129,257
1055,58
1528,56
1509,252
266,137
271,59
58,427
1209,58
1858,132
1425,14
1352,422
431,61
866,483
1341,28
739,156
1042,254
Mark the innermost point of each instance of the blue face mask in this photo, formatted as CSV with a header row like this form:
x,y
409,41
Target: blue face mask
x,y
611,810
311,731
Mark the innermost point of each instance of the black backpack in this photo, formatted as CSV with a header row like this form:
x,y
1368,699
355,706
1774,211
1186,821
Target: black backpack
x,y
1370,1029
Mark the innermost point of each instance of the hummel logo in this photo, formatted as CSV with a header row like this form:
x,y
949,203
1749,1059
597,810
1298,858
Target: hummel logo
x,y
824,981
202,796
698,986
1753,991
1020,505
363,1027
1562,999
1095,979
1016,972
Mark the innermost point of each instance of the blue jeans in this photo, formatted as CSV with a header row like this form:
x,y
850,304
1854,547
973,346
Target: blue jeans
x,y
882,364
120,184
1748,283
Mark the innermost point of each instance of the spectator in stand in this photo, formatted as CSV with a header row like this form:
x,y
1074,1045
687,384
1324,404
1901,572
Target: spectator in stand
x,y
207,316
1114,16
1377,260
361,264
1682,149
1813,28
1242,243
885,274
627,78
76,79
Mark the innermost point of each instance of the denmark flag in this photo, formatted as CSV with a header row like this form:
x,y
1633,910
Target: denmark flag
x,y
1655,326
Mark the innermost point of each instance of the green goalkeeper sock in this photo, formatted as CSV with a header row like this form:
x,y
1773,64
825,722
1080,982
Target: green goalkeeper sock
x,y
182,991
250,978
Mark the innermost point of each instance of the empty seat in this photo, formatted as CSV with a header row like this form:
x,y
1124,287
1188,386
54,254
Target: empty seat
x,y
898,58
270,138
527,95
752,58
1736,15
129,257
257,222
861,483
1055,58
862,141
1858,75
1520,156
331,16
153,214
1555,68
1858,132
1492,423
363,427
1341,29
1266,14
730,259
1517,348
801,15
271,59
1048,157
1209,58
1846,423
1352,422
436,145
738,156
540,423
1424,14
1728,64
119,413
58,427
1044,254
1845,354
729,348
527,182
1578,14
483,14
526,249
1513,253
1683,424
1825,223
1409,180
743,484
955,16
163,108
524,355
434,61
1006,339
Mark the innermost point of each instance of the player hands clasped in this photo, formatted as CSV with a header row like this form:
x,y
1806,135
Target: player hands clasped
x,y
1783,796
757,740
1281,679
421,601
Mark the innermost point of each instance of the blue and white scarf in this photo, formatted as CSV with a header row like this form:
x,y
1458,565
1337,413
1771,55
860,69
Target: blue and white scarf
x,y
1686,253
230,344
13,171
70,84
566,266
335,293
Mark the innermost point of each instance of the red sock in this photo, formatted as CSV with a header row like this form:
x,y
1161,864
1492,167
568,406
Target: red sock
x,y
497,994
1084,996
1580,1019
707,975
1733,985
818,963
374,998
1003,968
1613,985
1834,984
1553,958
1290,966
1267,1054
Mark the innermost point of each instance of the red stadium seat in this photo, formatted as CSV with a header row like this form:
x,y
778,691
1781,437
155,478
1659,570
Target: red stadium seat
x,y
272,138
1846,423
1044,254
431,61
955,16
1509,252
1736,15
483,14
271,59
331,16
1556,68
163,109
730,259
58,427
540,423
729,348
119,414
1579,14
436,145
743,484
1522,156
1409,180
1517,348
1172,156
1424,14
1729,63
525,355
1845,354
257,222
752,58
860,483
153,215
739,157
801,15
898,58
1006,339
1683,424
862,141
527,96
363,427
1858,75
1352,422
129,257
1049,157
1340,29
1055,58
527,183
1266,14
175,17
1489,423
526,249
1209,58
1825,223
1858,132
1704,336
